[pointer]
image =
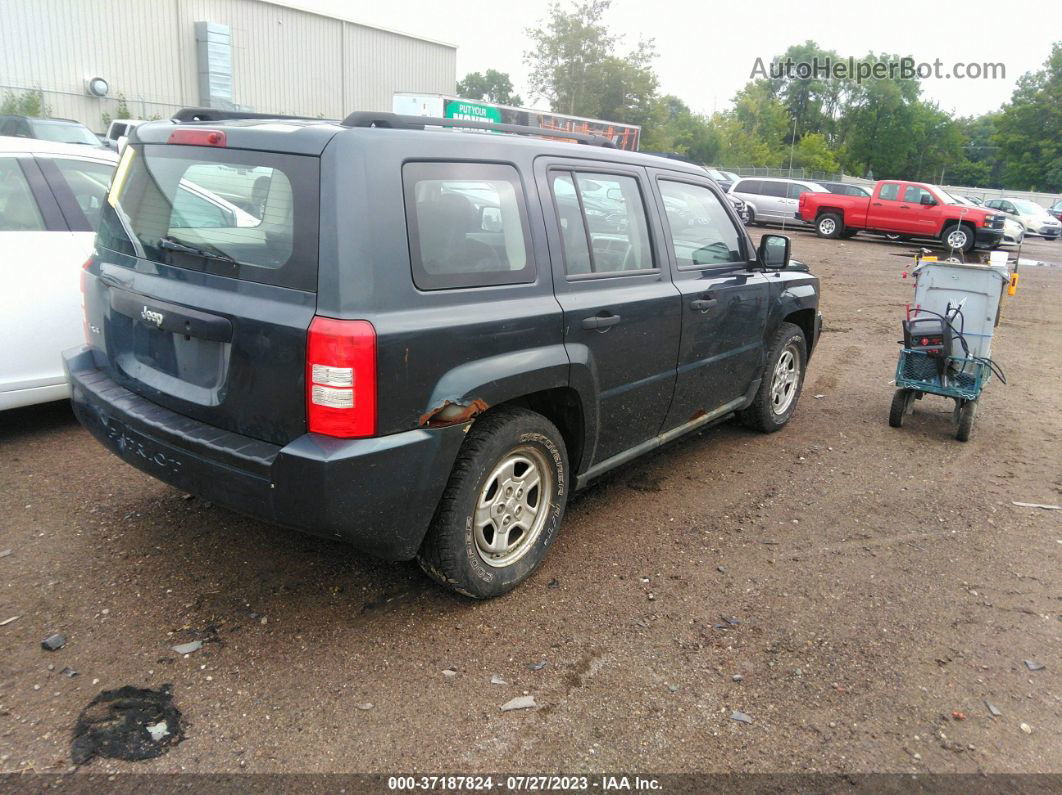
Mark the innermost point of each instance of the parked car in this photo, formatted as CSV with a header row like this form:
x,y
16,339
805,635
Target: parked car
x,y
845,189
1035,219
118,132
1056,209
907,209
381,362
740,208
1013,232
773,200
66,131
724,179
50,199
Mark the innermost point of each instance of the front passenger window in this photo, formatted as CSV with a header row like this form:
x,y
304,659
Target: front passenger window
x,y
701,231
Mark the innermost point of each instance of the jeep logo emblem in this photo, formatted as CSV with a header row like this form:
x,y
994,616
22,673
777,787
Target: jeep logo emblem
x,y
150,316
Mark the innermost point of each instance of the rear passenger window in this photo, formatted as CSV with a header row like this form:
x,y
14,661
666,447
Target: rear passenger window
x,y
796,190
890,192
603,223
467,225
778,189
88,182
18,208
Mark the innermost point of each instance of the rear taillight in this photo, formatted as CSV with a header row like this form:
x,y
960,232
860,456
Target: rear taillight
x,y
198,137
341,377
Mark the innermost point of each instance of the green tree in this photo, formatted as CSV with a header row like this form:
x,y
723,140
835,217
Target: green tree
x,y
813,153
492,86
28,103
1029,129
673,127
575,66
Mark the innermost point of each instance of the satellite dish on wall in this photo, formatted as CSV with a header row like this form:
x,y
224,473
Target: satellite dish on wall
x,y
96,87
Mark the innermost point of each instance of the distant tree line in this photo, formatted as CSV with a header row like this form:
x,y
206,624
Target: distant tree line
x,y
877,127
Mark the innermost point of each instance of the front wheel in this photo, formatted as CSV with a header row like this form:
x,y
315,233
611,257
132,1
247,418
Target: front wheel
x,y
782,380
958,238
902,400
502,507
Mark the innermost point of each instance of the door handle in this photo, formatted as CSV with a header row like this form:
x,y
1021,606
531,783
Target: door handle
x,y
703,304
600,322
876,204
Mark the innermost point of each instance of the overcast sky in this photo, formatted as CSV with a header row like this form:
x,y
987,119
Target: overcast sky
x,y
706,49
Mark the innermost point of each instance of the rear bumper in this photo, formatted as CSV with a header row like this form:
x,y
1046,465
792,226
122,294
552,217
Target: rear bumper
x,y
377,494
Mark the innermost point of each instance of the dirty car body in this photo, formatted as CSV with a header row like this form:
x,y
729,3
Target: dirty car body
x,y
197,371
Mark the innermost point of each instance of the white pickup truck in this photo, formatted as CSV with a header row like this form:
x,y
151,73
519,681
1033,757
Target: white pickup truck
x,y
118,132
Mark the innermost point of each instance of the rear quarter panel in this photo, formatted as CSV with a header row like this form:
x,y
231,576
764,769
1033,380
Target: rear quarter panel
x,y
443,356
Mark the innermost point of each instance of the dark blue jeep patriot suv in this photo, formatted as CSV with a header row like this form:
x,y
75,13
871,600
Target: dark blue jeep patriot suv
x,y
417,339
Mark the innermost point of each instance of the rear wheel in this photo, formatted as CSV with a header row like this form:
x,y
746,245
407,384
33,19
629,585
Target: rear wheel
x,y
781,382
829,225
958,238
502,507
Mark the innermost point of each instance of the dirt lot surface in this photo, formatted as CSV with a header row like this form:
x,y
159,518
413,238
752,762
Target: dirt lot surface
x,y
859,592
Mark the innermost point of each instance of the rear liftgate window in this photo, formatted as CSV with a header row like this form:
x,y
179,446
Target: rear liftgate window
x,y
230,212
467,225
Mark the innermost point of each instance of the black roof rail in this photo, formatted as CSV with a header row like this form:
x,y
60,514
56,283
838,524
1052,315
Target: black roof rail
x,y
214,114
362,118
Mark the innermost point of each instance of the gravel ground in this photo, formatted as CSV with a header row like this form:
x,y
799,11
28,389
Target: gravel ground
x,y
859,592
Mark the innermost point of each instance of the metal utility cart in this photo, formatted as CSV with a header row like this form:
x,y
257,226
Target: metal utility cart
x,y
948,338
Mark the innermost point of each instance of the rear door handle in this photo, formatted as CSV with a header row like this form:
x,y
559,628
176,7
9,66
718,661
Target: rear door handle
x,y
600,321
703,304
876,204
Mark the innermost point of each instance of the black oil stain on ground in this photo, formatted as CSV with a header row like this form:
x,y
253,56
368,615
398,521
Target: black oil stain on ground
x,y
116,724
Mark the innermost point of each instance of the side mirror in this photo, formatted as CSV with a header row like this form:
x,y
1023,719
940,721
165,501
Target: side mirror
x,y
927,201
490,219
774,251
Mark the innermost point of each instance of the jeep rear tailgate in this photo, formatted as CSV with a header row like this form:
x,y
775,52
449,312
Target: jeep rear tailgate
x,y
204,283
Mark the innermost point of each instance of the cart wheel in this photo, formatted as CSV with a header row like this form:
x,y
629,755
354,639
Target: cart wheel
x,y
966,420
902,402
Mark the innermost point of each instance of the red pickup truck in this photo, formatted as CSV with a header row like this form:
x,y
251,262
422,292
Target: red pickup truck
x,y
907,209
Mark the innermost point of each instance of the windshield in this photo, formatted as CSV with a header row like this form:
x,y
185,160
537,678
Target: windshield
x,y
1027,207
242,214
947,197
63,132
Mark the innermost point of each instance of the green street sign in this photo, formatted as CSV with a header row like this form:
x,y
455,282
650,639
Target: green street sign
x,y
472,111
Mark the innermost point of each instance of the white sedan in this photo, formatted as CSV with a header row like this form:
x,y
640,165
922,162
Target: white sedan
x,y
51,196
50,200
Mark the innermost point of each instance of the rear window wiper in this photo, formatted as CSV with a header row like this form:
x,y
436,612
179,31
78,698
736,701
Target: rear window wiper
x,y
172,244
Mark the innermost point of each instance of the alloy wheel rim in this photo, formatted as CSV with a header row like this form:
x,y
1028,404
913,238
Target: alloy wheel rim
x,y
827,225
957,239
513,506
785,380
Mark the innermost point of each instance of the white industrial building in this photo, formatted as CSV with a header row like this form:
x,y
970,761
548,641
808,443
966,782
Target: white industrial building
x,y
161,55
